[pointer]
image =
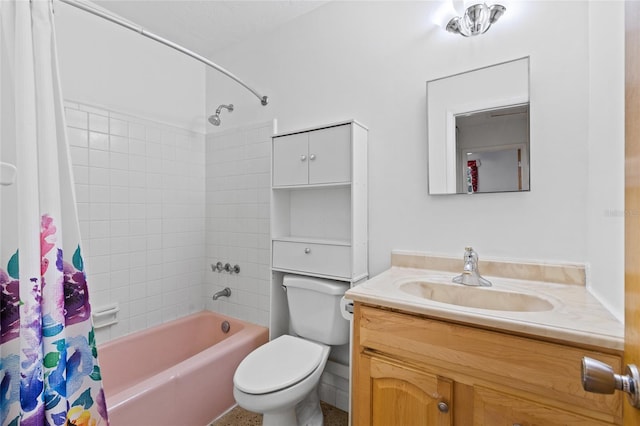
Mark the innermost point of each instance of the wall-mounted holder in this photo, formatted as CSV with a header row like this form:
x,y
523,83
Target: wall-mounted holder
x,y
105,316
7,174
220,267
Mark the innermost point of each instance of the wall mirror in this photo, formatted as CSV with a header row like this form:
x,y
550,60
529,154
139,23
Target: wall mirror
x,y
478,130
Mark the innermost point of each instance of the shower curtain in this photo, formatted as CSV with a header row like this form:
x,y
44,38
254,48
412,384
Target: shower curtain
x,y
49,374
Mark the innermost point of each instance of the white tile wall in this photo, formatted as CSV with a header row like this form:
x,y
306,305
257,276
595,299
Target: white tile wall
x,y
237,211
141,205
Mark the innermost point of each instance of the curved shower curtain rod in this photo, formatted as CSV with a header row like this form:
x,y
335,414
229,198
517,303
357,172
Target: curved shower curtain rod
x,y
264,100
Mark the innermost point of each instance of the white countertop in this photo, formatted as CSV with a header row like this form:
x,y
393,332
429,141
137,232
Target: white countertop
x,y
576,316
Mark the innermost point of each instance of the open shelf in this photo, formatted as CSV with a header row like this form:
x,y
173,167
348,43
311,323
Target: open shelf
x,y
314,213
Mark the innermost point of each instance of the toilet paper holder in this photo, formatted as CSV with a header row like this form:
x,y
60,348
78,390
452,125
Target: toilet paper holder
x,y
346,308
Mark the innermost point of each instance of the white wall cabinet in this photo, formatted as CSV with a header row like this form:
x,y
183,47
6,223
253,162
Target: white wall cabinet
x,y
318,208
316,157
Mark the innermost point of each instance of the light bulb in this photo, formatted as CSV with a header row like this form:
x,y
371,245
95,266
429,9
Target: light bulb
x,y
476,19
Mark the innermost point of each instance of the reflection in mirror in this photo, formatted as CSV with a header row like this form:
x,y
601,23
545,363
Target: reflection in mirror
x,y
478,130
492,149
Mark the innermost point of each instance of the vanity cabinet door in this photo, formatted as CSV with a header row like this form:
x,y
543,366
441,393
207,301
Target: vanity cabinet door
x,y
498,409
394,394
291,160
330,155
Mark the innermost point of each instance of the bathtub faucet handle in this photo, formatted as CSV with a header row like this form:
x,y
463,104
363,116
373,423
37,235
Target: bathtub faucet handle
x,y
232,269
219,267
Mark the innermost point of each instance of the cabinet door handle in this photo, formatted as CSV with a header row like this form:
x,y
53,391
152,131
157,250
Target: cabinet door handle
x,y
312,157
443,407
303,157
307,250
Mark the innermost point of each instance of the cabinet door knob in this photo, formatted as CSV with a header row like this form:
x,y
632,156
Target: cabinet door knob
x,y
307,250
443,407
312,157
303,157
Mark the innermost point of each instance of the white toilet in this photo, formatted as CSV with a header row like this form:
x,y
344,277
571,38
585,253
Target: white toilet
x,y
280,379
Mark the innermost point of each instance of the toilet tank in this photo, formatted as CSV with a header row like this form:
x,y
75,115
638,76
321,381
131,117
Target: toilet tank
x,y
314,309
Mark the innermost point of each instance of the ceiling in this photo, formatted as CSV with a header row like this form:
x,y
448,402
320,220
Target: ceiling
x,y
206,26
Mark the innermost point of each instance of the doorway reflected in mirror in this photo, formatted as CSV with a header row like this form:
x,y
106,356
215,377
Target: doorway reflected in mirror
x,y
492,150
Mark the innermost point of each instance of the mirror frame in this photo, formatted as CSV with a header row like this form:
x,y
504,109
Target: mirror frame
x,y
504,84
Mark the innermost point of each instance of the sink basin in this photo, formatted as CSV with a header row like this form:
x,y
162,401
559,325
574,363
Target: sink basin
x,y
474,297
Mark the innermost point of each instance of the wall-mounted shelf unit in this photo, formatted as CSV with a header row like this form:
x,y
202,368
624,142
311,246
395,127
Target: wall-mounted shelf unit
x,y
318,208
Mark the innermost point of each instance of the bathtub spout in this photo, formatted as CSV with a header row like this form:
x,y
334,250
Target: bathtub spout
x,y
226,292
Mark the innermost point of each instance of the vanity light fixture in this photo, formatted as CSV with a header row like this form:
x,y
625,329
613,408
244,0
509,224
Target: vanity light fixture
x,y
477,19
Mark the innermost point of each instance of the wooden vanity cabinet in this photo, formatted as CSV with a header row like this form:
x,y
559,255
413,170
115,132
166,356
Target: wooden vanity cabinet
x,y
415,370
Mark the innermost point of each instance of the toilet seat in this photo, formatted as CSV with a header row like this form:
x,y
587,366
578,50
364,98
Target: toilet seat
x,y
276,365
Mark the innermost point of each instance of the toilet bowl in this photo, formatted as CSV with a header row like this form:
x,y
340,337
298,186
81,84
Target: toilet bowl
x,y
280,379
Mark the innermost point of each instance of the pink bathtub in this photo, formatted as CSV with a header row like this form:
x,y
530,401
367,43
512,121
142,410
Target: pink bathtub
x,y
176,374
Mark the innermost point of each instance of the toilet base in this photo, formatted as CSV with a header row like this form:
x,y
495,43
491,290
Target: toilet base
x,y
280,418
309,411
306,413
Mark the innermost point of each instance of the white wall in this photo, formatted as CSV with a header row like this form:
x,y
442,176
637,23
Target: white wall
x,y
370,61
107,65
605,208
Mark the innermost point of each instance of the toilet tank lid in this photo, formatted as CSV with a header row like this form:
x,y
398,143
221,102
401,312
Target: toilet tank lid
x,y
316,284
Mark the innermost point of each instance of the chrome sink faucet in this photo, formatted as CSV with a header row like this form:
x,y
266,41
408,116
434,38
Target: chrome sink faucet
x,y
470,273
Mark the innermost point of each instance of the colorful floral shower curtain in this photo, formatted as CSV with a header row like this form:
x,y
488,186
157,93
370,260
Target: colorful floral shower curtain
x,y
49,374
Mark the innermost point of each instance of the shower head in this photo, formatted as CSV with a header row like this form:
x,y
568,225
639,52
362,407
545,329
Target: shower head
x,y
215,118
